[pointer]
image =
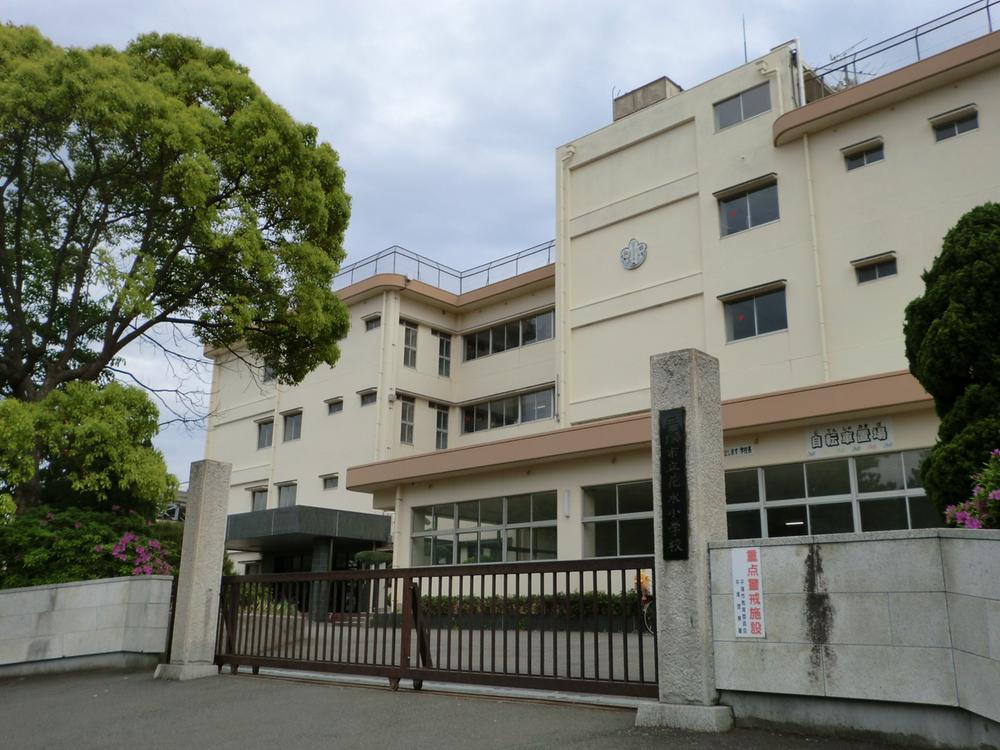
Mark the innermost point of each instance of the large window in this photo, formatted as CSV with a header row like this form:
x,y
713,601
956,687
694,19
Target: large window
x,y
406,409
874,492
510,335
444,353
743,209
755,315
265,434
500,412
409,343
618,519
743,106
499,529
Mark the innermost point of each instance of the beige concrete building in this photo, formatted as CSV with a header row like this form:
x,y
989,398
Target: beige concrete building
x,y
759,216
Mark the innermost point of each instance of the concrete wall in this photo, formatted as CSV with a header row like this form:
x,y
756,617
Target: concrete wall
x,y
67,625
900,616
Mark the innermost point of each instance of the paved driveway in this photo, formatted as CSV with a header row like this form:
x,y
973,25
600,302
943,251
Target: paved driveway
x,y
130,710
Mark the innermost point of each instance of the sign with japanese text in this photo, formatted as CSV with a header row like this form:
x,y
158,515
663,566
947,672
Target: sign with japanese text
x,y
852,437
738,450
748,592
673,484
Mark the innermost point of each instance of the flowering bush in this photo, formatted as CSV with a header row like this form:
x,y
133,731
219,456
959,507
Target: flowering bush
x,y
144,554
982,511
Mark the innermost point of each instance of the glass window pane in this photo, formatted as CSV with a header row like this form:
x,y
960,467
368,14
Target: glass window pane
x,y
468,548
490,547
854,161
421,551
866,273
504,411
789,521
756,100
513,332
635,498
727,113
876,154
519,509
923,514
837,518
529,331
423,518
741,487
828,478
783,482
518,544
911,464
443,550
879,473
599,501
947,130
543,506
636,536
763,205
481,417
544,325
286,495
444,516
499,339
544,543
600,539
468,514
743,524
886,268
740,322
470,346
482,343
771,315
967,123
537,405
491,512
734,214
883,515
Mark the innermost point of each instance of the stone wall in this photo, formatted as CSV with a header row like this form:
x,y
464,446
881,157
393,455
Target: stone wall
x,y
83,624
902,616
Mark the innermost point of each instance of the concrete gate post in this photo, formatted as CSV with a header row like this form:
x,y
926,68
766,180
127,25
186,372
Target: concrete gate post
x,y
687,379
197,610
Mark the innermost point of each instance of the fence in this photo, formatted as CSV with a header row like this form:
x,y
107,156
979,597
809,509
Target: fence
x,y
561,625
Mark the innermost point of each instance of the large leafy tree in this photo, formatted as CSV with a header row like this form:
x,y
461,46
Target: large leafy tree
x,y
953,346
154,186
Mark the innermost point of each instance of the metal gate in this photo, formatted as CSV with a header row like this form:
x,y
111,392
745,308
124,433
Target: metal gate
x,y
560,625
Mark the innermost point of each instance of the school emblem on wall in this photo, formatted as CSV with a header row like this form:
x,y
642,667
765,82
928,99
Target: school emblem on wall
x,y
633,255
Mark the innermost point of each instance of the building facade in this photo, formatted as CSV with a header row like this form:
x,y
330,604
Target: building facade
x,y
776,225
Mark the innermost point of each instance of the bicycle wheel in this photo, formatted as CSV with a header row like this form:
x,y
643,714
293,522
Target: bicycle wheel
x,y
649,617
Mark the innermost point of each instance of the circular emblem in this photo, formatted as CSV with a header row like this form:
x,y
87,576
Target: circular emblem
x,y
633,255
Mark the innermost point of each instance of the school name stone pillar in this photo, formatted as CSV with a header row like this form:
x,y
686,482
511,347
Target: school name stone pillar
x,y
196,613
688,511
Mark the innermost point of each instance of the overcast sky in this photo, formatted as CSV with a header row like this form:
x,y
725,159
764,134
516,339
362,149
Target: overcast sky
x,y
446,115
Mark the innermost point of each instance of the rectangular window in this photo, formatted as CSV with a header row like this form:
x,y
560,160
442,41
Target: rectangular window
x,y
265,434
507,529
743,106
441,426
756,315
406,409
618,519
293,427
502,412
959,121
510,335
747,209
873,271
409,343
286,495
444,353
258,499
373,322
331,481
334,406
866,153
368,398
269,373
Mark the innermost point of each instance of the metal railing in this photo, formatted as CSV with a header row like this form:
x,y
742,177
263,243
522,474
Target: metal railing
x,y
401,261
561,625
942,33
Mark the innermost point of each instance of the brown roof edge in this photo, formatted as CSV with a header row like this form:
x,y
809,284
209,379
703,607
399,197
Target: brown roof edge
x,y
890,87
633,431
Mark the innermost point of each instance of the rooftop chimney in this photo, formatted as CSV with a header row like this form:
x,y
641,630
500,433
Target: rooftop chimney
x,y
642,97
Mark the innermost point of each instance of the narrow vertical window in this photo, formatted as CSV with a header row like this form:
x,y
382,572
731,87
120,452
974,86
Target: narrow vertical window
x,y
409,343
406,420
293,426
265,434
258,499
441,426
286,495
444,353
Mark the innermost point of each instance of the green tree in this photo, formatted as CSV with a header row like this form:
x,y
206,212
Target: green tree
x,y
953,347
151,186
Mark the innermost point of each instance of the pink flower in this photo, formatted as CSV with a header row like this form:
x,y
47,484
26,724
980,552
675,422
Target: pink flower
x,y
973,523
136,571
77,525
98,548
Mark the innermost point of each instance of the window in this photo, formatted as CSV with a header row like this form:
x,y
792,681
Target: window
x,y
293,426
265,434
444,353
864,153
269,373
743,106
334,406
373,322
500,529
757,314
331,481
368,397
875,267
409,343
286,495
406,408
509,410
742,209
956,122
868,492
441,426
510,335
258,499
618,519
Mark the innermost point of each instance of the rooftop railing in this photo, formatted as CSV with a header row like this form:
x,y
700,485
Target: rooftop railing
x,y
401,261
947,31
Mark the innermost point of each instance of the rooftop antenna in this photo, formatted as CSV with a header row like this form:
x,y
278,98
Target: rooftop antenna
x,y
745,58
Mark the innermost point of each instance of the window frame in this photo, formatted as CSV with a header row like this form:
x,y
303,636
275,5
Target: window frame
x,y
474,340
730,299
440,433
254,495
286,417
295,491
952,119
492,406
744,191
372,322
407,407
740,98
334,405
444,353
409,346
617,517
863,149
368,397
880,263
324,478
270,433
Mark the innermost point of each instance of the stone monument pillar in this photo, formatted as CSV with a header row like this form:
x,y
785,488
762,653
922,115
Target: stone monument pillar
x,y
197,609
688,511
